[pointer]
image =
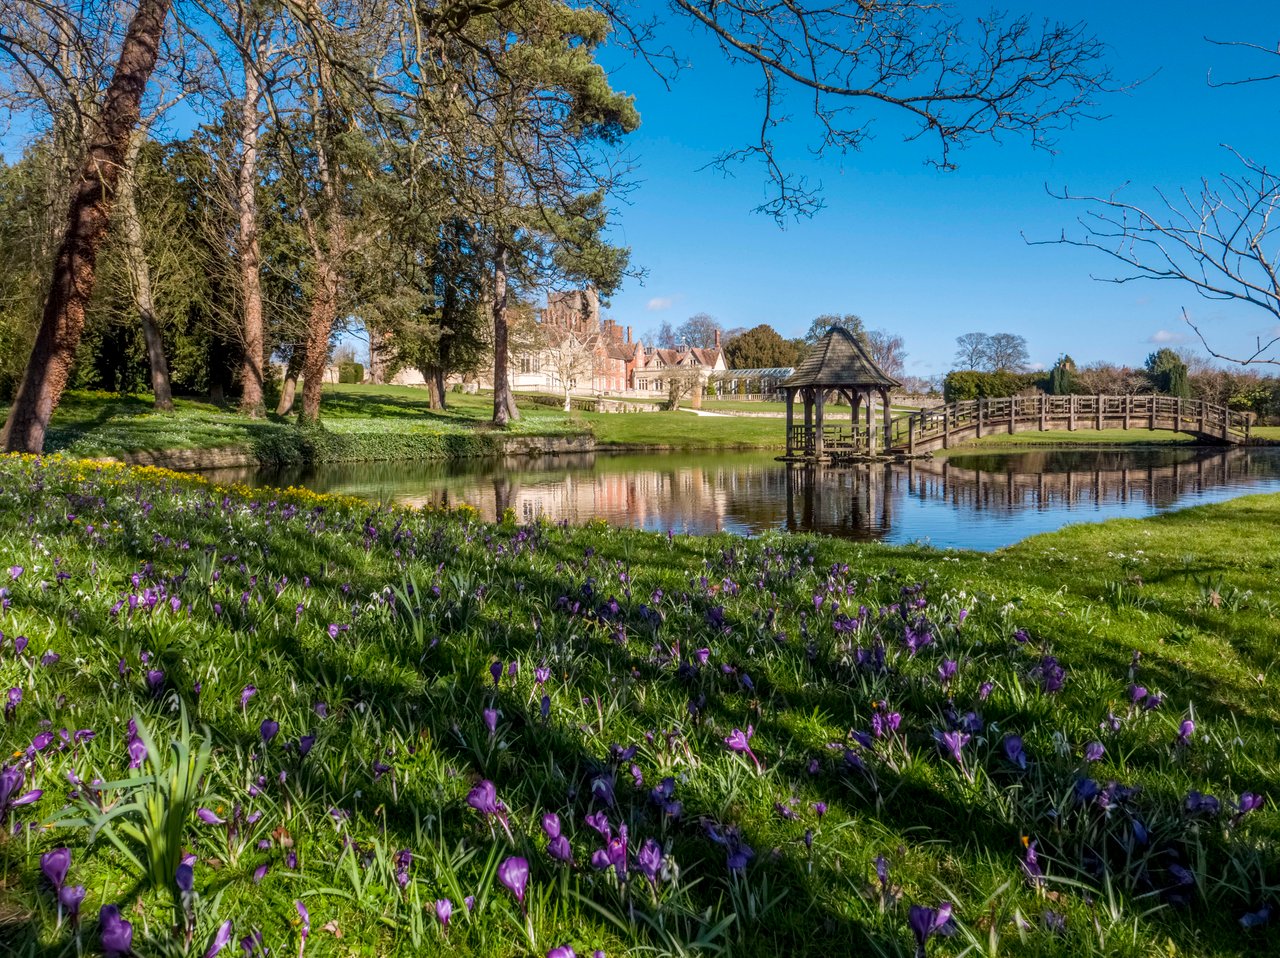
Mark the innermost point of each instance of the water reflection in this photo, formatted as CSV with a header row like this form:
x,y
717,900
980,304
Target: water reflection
x,y
971,501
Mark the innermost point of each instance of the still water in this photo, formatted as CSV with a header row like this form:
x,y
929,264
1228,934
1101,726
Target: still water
x,y
975,501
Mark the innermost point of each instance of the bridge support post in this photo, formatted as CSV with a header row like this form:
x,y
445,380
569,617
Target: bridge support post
x,y
1177,418
1101,403
1044,413
946,429
1071,415
1128,410
982,405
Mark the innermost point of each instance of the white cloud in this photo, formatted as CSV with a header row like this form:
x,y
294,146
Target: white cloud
x,y
660,303
1162,337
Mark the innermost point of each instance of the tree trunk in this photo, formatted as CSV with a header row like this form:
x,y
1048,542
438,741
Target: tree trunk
x,y
88,222
324,310
289,387
140,275
504,404
440,390
252,401
434,377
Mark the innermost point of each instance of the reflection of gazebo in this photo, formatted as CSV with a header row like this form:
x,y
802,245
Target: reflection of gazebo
x,y
837,364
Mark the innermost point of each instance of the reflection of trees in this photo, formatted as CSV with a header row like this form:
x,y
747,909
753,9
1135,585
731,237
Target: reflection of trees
x,y
750,492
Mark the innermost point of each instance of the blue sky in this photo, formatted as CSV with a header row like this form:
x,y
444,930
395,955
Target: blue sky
x,y
932,255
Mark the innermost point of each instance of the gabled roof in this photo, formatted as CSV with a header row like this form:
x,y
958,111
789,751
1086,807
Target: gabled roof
x,y
838,359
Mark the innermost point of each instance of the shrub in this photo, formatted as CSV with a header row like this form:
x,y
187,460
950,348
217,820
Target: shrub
x,y
962,384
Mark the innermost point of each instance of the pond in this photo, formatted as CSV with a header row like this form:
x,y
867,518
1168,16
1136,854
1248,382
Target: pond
x,y
974,501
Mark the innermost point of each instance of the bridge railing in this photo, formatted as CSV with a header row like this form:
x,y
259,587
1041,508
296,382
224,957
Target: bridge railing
x,y
1087,412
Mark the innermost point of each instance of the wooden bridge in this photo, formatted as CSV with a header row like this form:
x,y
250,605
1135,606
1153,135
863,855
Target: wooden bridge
x,y
944,426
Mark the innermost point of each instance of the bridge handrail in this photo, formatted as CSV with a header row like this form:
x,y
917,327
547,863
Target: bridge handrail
x,y
927,425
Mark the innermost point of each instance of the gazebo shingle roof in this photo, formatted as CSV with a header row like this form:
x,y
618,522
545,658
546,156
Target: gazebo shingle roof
x,y
839,359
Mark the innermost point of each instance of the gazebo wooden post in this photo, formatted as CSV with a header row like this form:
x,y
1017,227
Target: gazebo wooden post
x,y
884,440
808,419
871,442
791,402
817,432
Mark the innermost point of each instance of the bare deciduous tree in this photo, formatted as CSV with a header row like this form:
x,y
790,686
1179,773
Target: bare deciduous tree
x,y
954,77
888,351
1220,239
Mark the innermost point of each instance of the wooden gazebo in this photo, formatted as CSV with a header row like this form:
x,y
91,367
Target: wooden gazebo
x,y
837,365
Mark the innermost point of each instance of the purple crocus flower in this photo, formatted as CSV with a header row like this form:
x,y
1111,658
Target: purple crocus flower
x,y
926,922
185,878
600,822
483,797
444,911
1249,802
1256,919
1031,863
649,860
1198,804
738,741
69,899
1014,752
551,824
305,743
495,669
514,875
562,951
1094,751
952,743
247,693
220,939
12,701
55,865
155,682
491,721
208,817
15,571
268,729
137,751
11,795
116,933
947,671
1185,731
560,849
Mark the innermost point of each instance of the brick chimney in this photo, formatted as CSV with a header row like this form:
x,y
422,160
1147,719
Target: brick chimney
x,y
628,334
717,339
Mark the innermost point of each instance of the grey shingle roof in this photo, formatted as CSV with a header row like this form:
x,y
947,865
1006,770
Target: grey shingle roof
x,y
838,359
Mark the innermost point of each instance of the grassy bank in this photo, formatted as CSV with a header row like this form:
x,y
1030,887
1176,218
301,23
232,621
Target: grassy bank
x,y
804,739
373,422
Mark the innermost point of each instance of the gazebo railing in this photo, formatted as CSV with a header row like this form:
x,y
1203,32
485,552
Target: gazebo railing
x,y
837,439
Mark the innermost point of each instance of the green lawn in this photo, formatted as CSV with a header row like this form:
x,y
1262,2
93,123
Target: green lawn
x,y
926,713
95,424
390,422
